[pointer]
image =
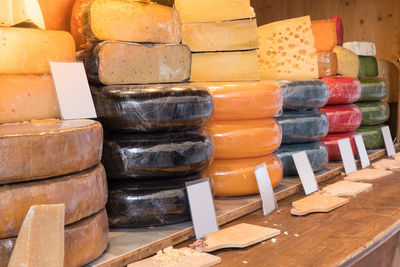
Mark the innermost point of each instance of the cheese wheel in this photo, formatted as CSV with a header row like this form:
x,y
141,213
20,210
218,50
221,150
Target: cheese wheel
x,y
343,90
368,67
348,62
361,48
324,32
316,152
245,139
303,95
79,23
155,155
303,126
343,118
373,89
133,63
31,151
331,143
148,203
327,64
84,241
374,113
32,56
245,100
57,14
339,29
83,194
236,177
155,107
390,75
372,136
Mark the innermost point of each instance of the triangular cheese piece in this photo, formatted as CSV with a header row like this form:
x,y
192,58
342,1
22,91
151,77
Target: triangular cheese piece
x,y
27,11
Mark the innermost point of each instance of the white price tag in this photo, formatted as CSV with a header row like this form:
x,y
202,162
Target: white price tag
x,y
387,137
305,172
362,151
265,187
347,155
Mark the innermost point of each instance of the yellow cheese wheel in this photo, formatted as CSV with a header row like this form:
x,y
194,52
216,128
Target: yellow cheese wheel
x,y
236,177
324,32
327,64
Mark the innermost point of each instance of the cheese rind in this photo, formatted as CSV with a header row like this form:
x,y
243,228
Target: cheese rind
x,y
342,90
372,136
325,37
339,29
368,67
361,48
331,143
327,64
343,118
373,89
348,62
374,113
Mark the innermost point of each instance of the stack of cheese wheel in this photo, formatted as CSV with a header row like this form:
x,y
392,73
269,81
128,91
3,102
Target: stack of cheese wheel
x,y
373,90
153,142
45,160
288,54
224,46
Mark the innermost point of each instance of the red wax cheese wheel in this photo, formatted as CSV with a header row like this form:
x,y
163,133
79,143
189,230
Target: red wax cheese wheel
x,y
331,143
245,100
324,32
343,90
327,64
236,177
343,118
245,139
31,151
339,29
57,14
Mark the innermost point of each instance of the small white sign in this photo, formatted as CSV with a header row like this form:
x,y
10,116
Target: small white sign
x,y
202,208
387,137
305,172
265,188
362,151
347,155
73,91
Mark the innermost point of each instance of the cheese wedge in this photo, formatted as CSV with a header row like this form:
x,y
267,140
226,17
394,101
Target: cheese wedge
x,y
287,50
327,64
348,62
324,32
13,12
361,48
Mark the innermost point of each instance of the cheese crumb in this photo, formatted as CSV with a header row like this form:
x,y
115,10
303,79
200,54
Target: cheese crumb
x,y
273,240
285,233
245,262
296,235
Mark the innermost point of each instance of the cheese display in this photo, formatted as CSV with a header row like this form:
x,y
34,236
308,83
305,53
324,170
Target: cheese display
x,y
287,50
361,48
303,126
245,100
236,177
343,90
225,66
327,64
156,154
368,67
41,238
303,95
374,113
372,136
57,14
245,139
154,107
372,89
83,194
390,75
343,118
339,29
324,32
134,21
33,55
213,10
221,35
348,62
143,203
26,13
316,152
331,143
133,63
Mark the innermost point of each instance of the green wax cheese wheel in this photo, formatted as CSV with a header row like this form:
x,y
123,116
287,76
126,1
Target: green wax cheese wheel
x,y
373,89
368,67
374,113
372,136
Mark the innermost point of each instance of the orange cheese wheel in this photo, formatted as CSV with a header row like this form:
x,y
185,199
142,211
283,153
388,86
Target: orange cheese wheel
x,y
236,177
57,14
77,22
245,100
327,64
324,32
245,139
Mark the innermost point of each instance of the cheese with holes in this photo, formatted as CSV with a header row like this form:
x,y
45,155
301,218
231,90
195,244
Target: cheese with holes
x,y
31,151
361,48
235,177
331,143
287,50
134,63
245,139
225,66
327,64
324,32
32,56
374,113
373,89
390,74
221,36
83,194
245,100
343,118
372,136
343,90
213,10
22,12
368,67
348,62
40,241
84,241
339,29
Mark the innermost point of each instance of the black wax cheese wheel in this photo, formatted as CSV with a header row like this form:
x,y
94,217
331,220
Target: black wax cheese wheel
x,y
303,95
156,107
316,152
373,89
156,154
368,67
303,126
372,136
374,113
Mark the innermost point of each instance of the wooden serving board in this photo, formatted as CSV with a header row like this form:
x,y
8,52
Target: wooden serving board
x,y
367,175
396,156
346,188
317,202
387,164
